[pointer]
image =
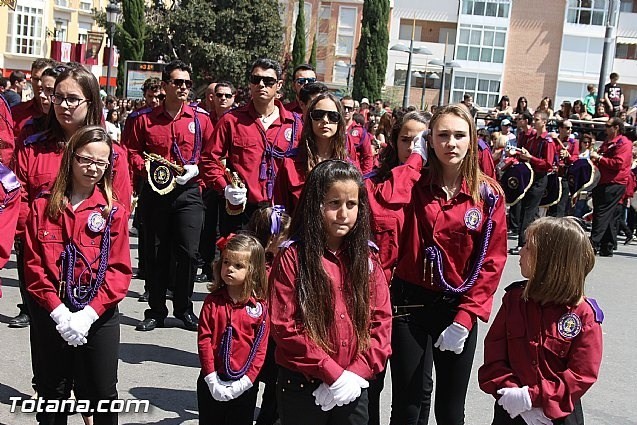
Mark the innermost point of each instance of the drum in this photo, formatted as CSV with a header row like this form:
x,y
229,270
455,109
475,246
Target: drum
x,y
582,175
515,182
553,191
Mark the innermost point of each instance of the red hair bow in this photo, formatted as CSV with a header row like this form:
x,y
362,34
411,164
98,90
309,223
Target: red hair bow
x,y
223,241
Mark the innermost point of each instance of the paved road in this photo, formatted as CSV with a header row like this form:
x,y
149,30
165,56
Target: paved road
x,y
162,365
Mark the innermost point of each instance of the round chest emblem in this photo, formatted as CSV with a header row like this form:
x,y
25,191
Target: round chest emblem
x,y
472,218
255,311
288,134
354,133
569,325
96,222
191,127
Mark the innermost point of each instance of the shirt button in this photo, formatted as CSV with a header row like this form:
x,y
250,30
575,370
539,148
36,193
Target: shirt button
x,y
92,242
533,362
342,316
344,343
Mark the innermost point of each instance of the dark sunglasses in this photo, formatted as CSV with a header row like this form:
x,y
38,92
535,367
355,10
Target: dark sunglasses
x,y
610,125
304,81
348,108
319,114
267,81
226,95
161,96
178,82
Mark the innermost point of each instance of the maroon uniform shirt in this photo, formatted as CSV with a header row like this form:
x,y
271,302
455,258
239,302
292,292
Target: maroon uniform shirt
x,y
456,227
614,165
554,350
24,112
485,159
297,352
7,137
362,141
156,131
217,313
9,212
254,153
387,201
294,106
45,240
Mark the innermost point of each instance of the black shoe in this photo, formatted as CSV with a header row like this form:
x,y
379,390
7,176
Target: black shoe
x,y
169,294
515,251
139,275
143,298
22,320
149,324
202,277
190,321
629,240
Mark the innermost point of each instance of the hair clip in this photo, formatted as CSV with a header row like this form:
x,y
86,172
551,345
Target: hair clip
x,y
275,219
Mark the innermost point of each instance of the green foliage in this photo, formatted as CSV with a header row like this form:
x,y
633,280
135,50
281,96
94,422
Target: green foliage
x,y
312,60
298,49
371,58
130,37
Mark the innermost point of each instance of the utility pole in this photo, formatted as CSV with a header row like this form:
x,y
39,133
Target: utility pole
x,y
608,54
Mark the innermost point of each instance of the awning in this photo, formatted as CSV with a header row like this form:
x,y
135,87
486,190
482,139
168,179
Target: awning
x,y
626,40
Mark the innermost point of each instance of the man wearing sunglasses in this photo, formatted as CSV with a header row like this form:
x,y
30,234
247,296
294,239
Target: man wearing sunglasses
x,y
223,100
302,75
357,136
172,221
254,139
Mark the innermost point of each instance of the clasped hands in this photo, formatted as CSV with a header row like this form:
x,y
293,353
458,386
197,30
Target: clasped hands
x,y
227,390
73,327
344,390
517,402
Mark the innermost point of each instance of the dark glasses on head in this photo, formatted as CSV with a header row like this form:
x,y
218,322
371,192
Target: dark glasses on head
x,y
267,81
226,95
319,114
304,81
178,82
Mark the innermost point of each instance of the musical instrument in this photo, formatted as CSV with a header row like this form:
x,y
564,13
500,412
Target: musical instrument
x,y
235,181
582,175
515,181
553,191
161,173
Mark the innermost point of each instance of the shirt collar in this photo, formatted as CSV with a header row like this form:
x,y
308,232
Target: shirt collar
x,y
97,199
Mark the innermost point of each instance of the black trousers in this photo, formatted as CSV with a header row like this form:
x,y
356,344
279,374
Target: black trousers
x,y
138,223
605,211
239,411
233,223
411,337
90,370
213,202
561,208
173,226
501,417
515,216
297,405
269,412
19,254
530,206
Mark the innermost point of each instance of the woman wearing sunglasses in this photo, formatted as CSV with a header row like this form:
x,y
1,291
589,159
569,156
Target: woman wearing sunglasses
x,y
78,270
323,137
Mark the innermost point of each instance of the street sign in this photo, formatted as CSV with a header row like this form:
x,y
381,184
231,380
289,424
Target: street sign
x,y
136,73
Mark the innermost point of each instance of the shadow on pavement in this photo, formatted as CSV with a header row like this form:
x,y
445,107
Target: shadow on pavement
x,y
138,353
7,391
181,402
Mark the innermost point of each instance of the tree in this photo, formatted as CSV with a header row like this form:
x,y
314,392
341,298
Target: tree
x,y
312,60
371,57
299,49
130,37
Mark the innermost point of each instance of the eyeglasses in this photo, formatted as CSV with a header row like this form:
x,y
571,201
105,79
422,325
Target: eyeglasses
x,y
348,108
304,81
87,162
267,81
319,114
178,82
610,125
226,95
72,102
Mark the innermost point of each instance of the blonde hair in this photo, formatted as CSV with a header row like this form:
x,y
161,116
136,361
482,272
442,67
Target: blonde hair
x,y
63,185
469,169
501,142
567,257
256,280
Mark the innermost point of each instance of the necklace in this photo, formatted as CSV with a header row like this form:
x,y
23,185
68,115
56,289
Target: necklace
x,y
451,189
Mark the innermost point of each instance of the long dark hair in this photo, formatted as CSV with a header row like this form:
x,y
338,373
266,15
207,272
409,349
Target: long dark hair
x,y
307,146
313,288
63,184
519,109
388,158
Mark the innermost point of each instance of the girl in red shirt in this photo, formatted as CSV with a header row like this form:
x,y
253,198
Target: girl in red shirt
x,y
77,266
233,334
330,307
544,348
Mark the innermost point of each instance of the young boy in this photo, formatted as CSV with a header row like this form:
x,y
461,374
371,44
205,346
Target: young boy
x,y
613,96
591,99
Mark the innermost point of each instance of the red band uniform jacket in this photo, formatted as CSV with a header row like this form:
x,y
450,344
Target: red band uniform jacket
x,y
45,241
242,140
246,320
614,165
7,137
456,227
9,211
533,345
361,140
297,352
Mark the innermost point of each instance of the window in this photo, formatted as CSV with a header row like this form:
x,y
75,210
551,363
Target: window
x,y
587,12
493,8
481,43
325,13
320,67
340,74
62,3
581,55
24,32
86,5
484,89
61,29
406,28
83,29
626,51
347,18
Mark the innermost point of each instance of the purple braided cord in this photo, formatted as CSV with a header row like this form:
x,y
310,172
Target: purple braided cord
x,y
266,170
434,255
226,351
275,219
69,259
196,150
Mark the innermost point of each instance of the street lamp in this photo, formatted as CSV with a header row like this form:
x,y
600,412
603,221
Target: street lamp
x,y
424,76
112,14
444,65
411,50
349,66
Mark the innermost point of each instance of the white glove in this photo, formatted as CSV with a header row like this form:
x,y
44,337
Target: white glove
x,y
535,416
74,331
60,314
452,338
420,145
190,171
347,388
240,386
515,400
219,390
323,397
236,195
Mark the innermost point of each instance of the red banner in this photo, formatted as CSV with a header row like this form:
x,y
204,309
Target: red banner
x,y
93,46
